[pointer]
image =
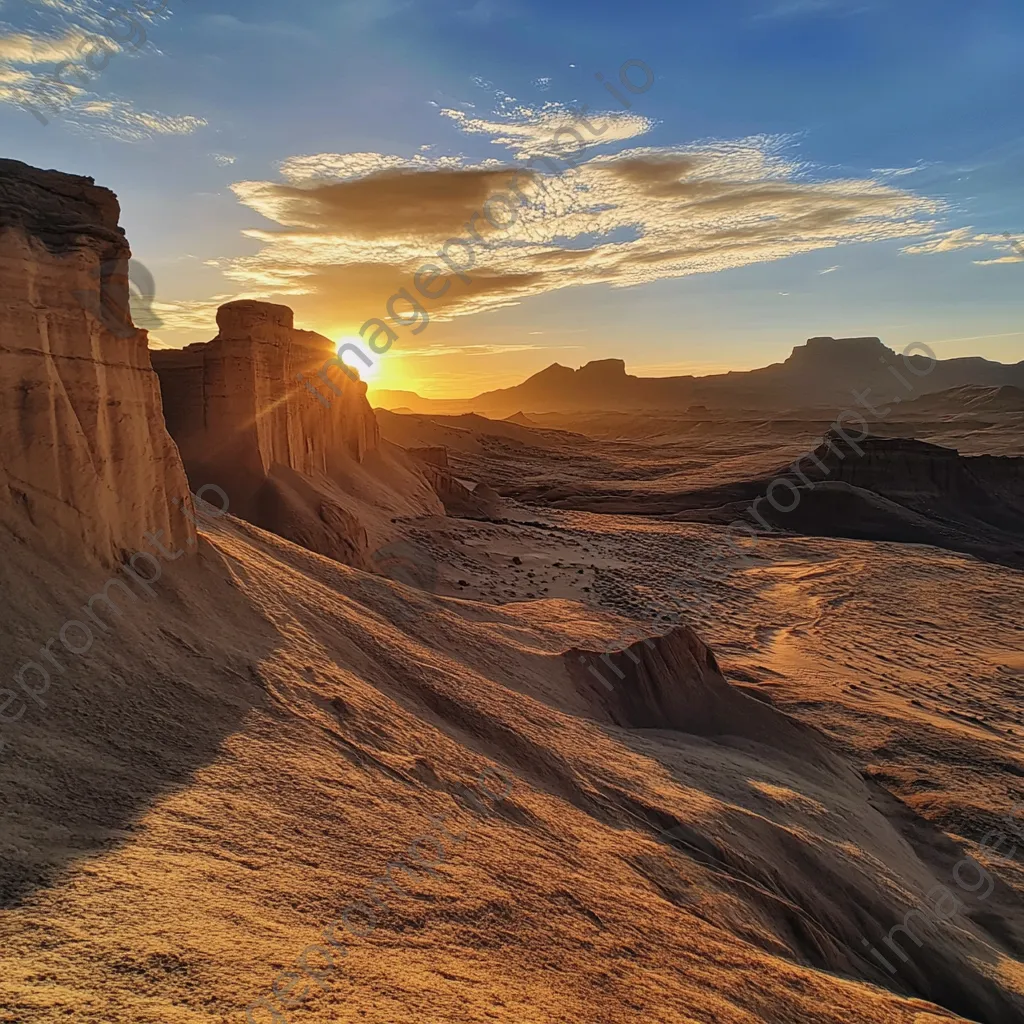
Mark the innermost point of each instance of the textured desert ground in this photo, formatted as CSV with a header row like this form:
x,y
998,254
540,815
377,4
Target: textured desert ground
x,y
456,720
249,751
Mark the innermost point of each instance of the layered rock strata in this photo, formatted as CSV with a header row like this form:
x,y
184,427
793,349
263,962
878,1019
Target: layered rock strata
x,y
901,489
87,465
266,411
237,405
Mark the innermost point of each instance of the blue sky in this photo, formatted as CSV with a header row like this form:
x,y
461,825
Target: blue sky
x,y
766,187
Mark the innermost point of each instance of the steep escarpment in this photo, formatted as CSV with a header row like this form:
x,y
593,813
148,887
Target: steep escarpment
x,y
911,469
87,464
902,489
305,462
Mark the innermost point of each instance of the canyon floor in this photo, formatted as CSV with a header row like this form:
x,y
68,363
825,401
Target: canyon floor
x,y
687,836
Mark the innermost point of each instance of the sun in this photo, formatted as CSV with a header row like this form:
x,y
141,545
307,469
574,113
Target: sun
x,y
368,369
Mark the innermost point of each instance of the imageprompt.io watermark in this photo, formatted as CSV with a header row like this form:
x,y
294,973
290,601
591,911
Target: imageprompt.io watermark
x,y
122,299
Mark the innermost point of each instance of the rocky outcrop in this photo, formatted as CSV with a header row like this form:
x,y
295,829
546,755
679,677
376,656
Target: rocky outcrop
x,y
899,489
236,405
674,682
460,497
989,487
265,411
433,455
87,465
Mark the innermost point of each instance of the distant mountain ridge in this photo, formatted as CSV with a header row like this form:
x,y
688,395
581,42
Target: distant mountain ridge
x,y
822,372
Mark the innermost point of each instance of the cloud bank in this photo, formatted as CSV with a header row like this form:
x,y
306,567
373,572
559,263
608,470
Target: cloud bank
x,y
348,230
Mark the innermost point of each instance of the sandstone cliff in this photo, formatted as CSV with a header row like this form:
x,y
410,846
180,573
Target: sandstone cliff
x,y
87,465
309,467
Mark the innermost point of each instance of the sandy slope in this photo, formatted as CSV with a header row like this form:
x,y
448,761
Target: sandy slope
x,y
212,785
255,783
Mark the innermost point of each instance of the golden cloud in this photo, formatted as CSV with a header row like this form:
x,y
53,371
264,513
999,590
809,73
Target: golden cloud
x,y
965,238
397,205
552,129
23,48
347,246
950,241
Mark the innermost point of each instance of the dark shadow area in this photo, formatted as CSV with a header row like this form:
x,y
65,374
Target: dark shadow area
x,y
126,722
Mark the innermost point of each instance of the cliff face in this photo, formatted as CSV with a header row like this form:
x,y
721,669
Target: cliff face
x,y
236,407
309,467
905,490
86,465
991,487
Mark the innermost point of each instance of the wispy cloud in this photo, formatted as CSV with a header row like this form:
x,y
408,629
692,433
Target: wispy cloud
x,y
25,48
966,238
552,129
77,31
1017,258
977,337
829,270
898,172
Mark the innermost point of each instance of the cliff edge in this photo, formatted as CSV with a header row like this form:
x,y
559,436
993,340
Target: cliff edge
x,y
87,464
307,465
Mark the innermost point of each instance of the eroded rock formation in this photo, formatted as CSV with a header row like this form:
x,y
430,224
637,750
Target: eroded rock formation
x,y
266,412
674,682
87,465
901,489
235,405
460,497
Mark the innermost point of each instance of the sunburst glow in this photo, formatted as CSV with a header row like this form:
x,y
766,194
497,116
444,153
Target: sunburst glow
x,y
367,370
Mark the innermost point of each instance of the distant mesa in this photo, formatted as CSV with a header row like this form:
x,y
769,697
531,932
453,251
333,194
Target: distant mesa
x,y
819,374
838,350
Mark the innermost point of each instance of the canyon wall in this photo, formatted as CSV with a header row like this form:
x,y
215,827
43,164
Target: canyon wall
x,y
87,465
266,412
235,405
903,490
